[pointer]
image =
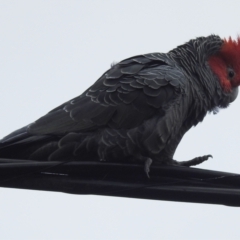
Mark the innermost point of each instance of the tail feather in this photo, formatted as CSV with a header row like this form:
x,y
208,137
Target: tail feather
x,y
20,144
15,136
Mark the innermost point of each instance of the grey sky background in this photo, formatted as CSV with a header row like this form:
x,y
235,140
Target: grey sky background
x,y
50,52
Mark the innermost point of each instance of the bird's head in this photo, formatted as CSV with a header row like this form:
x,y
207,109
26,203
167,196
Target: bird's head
x,y
226,65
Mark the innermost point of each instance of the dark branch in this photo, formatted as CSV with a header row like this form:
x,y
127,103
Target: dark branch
x,y
123,180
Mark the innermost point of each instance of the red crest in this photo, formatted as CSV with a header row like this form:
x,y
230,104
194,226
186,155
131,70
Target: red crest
x,y
227,57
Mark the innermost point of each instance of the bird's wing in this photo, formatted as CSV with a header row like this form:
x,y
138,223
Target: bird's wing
x,y
131,92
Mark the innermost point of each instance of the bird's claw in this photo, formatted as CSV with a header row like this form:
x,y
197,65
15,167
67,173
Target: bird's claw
x,y
195,161
147,166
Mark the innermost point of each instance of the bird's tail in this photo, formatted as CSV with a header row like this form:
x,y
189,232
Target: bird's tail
x,y
20,144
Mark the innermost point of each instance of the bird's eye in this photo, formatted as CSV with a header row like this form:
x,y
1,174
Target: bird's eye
x,y
231,73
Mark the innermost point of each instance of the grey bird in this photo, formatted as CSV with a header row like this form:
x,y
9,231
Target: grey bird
x,y
137,111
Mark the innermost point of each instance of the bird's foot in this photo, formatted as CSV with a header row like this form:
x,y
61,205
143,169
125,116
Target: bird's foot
x,y
147,165
192,162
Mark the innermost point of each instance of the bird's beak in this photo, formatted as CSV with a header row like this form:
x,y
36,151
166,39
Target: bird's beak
x,y
234,94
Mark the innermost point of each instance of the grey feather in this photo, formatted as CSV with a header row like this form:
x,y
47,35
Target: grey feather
x,y
139,109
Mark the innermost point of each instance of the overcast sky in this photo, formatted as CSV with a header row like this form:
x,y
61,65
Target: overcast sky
x,y
50,52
